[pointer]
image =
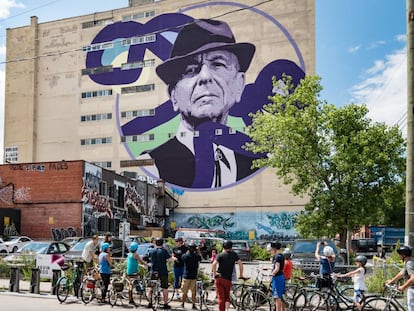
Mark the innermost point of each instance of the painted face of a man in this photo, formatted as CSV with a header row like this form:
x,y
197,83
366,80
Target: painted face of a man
x,y
210,85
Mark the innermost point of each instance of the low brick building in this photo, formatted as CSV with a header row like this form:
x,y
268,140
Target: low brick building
x,y
52,200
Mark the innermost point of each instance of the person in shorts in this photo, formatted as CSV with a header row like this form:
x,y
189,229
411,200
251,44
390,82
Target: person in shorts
x,y
191,259
278,278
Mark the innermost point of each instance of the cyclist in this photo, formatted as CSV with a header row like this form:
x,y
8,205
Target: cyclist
x,y
132,266
222,270
191,261
358,278
327,265
159,256
288,266
178,252
89,252
407,272
278,278
105,264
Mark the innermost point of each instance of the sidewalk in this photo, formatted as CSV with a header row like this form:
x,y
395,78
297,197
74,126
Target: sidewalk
x,y
24,288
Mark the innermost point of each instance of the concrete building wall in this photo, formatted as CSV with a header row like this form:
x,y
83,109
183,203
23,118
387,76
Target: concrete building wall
x,y
44,103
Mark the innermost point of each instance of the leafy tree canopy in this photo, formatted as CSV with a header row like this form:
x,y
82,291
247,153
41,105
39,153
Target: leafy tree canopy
x,y
352,169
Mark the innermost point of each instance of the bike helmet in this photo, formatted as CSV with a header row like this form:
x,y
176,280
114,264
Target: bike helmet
x,y
133,247
227,244
105,247
192,247
362,259
405,251
159,241
328,251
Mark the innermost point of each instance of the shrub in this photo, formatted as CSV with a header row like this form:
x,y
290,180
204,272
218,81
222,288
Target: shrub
x,y
259,253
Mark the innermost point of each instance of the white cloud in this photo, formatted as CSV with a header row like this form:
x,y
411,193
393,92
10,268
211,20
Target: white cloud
x,y
6,5
376,44
384,90
354,49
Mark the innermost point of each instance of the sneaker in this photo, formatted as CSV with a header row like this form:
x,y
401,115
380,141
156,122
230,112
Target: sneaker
x,y
194,307
182,305
149,305
166,306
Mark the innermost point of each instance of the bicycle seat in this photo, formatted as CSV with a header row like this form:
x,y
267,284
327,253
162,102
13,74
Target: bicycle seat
x,y
244,278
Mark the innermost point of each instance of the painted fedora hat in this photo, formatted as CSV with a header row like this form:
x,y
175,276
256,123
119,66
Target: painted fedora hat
x,y
198,37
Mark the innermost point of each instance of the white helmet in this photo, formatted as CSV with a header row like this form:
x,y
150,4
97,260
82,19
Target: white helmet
x,y
328,251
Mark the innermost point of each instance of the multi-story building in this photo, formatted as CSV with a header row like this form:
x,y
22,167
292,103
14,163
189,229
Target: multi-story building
x,y
103,88
75,198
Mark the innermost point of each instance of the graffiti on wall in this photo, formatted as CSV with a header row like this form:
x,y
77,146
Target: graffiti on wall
x,y
10,230
59,234
197,134
134,200
100,204
9,195
265,225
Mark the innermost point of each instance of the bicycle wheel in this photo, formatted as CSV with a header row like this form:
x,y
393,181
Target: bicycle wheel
x,y
155,297
112,296
62,289
300,301
209,295
379,304
235,295
137,291
87,290
316,301
255,299
290,294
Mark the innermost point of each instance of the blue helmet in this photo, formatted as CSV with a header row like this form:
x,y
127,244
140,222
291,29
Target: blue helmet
x,y
133,247
105,246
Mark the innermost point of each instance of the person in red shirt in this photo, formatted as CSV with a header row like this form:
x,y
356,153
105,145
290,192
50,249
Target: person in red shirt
x,y
288,267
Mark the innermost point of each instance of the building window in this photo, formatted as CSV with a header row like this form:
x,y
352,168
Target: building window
x,y
96,117
98,22
139,40
171,135
11,154
138,89
196,134
96,141
232,131
219,131
104,164
140,64
139,15
98,46
135,138
103,188
137,113
97,70
100,93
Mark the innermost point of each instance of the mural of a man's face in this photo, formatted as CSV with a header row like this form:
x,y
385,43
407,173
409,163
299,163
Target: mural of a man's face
x,y
210,85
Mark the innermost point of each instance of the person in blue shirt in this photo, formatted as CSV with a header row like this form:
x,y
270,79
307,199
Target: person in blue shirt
x,y
132,267
278,278
327,265
105,264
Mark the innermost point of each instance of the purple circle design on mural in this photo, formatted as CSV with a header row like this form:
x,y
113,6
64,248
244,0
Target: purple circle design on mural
x,y
253,98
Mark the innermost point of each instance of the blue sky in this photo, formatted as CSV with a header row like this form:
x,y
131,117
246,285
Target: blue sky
x,y
360,48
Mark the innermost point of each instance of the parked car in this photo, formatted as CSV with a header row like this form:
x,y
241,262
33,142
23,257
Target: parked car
x,y
34,248
3,248
242,249
303,251
76,250
143,250
13,243
135,238
72,240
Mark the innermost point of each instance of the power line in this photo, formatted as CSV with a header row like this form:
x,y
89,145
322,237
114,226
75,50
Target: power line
x,y
155,32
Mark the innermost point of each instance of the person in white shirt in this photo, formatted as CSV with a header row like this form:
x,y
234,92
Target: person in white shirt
x,y
358,278
89,252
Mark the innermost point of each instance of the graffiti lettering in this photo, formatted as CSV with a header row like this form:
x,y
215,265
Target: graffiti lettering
x,y
10,230
134,199
62,165
22,194
59,234
282,221
101,204
16,167
6,194
206,222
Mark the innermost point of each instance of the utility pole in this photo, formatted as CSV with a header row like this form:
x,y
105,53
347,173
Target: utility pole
x,y
409,205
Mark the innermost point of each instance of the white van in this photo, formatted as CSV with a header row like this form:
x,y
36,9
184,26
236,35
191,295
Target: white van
x,y
195,233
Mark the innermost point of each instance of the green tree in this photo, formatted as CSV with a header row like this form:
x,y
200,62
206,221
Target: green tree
x,y
351,169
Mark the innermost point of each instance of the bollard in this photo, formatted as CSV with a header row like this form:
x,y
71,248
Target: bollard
x,y
14,279
35,281
55,278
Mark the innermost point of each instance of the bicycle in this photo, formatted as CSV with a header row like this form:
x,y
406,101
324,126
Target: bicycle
x,y
92,285
69,282
387,303
126,288
154,292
